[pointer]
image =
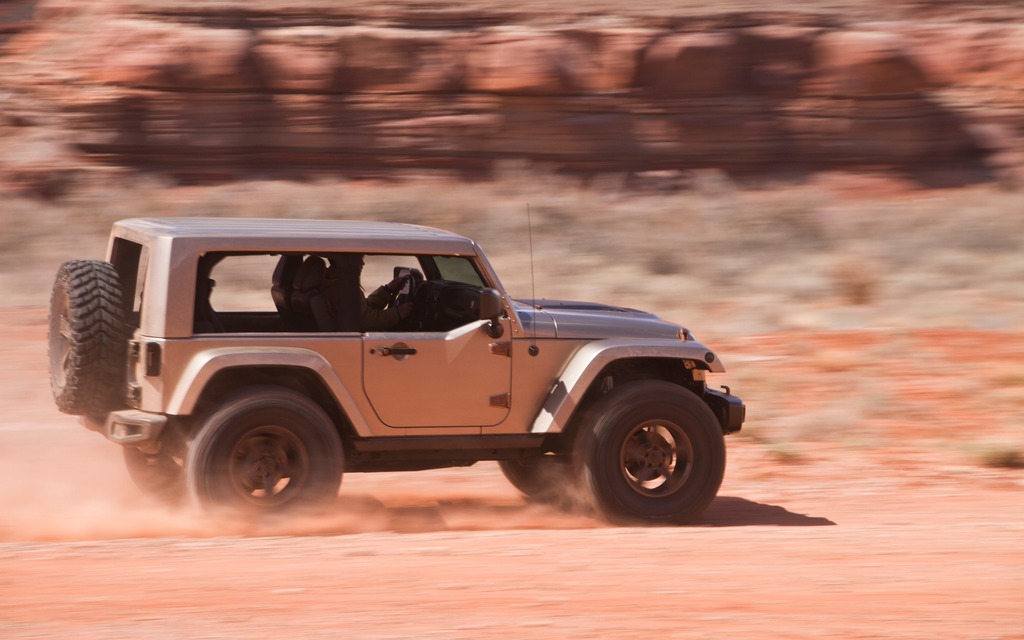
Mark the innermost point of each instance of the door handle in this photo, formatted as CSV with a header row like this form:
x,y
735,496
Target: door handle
x,y
397,351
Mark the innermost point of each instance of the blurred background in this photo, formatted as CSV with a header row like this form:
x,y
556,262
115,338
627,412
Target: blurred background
x,y
830,190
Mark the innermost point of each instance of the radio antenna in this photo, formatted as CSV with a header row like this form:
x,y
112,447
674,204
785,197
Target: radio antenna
x,y
533,282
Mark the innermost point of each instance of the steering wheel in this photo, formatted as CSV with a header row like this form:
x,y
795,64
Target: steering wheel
x,y
424,315
413,283
413,293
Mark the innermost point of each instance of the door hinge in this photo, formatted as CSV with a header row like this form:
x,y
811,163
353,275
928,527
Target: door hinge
x,y
502,400
502,349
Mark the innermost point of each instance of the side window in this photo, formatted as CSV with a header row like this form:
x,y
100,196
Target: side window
x,y
380,269
333,292
233,294
383,308
242,283
442,293
451,295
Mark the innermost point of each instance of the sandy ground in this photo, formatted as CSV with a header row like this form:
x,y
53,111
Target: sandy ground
x,y
852,542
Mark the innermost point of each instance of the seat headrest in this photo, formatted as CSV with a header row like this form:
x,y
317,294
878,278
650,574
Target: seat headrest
x,y
284,272
311,274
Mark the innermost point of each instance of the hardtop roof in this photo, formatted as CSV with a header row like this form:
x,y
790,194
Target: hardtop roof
x,y
286,234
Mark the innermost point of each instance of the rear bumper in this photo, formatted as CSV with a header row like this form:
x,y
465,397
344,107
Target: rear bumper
x,y
729,409
130,427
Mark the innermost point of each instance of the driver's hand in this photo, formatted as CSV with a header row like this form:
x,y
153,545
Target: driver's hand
x,y
404,310
396,285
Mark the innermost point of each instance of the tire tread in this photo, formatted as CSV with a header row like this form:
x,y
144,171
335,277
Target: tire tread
x,y
93,380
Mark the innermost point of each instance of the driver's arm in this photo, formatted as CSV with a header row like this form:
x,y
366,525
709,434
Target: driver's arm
x,y
374,314
380,298
384,294
374,319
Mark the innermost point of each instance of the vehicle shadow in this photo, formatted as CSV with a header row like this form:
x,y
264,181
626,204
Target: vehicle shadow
x,y
728,511
365,513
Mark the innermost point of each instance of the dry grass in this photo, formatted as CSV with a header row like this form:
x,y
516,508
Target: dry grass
x,y
726,259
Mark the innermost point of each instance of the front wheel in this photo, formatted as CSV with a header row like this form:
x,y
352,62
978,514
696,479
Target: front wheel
x,y
265,449
655,453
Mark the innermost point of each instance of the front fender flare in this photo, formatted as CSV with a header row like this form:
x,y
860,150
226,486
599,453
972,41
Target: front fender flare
x,y
590,360
206,364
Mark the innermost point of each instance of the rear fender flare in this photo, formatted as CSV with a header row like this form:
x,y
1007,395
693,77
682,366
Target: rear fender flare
x,y
204,366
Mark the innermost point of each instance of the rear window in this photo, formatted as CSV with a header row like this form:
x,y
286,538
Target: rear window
x,y
131,260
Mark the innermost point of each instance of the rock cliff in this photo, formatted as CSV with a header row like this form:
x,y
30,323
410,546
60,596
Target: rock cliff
x,y
219,91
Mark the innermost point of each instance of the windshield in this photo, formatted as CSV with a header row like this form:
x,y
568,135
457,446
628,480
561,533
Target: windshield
x,y
458,269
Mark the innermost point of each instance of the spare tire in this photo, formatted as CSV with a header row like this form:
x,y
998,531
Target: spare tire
x,y
87,338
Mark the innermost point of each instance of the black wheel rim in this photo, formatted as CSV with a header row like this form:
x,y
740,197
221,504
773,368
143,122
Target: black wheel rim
x,y
269,466
656,458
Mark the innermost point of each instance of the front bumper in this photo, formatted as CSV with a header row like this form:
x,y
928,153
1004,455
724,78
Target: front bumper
x,y
130,427
729,409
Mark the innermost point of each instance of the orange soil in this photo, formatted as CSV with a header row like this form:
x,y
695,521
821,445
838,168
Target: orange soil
x,y
900,540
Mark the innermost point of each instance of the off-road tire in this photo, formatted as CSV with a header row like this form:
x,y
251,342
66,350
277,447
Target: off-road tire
x,y
87,338
160,475
265,449
655,453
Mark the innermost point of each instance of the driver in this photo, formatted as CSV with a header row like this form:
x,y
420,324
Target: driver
x,y
377,311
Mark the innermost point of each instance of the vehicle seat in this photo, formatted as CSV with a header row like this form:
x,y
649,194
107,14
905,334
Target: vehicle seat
x,y
308,301
282,287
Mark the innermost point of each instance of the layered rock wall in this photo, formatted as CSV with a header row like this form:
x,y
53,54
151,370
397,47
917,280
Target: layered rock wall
x,y
223,99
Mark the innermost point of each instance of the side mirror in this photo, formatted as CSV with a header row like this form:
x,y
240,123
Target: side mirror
x,y
415,277
490,304
490,309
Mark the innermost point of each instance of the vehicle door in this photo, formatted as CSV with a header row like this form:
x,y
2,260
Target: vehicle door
x,y
461,377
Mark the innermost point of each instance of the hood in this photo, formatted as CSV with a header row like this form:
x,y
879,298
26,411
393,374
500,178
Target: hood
x,y
591,320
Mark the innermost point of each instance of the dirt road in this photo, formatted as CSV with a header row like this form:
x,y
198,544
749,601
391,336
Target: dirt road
x,y
894,542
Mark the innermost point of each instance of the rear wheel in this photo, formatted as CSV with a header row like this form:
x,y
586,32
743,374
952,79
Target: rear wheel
x,y
656,453
266,449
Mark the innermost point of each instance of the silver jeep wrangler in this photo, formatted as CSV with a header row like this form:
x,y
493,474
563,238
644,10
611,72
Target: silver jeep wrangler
x,y
241,365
